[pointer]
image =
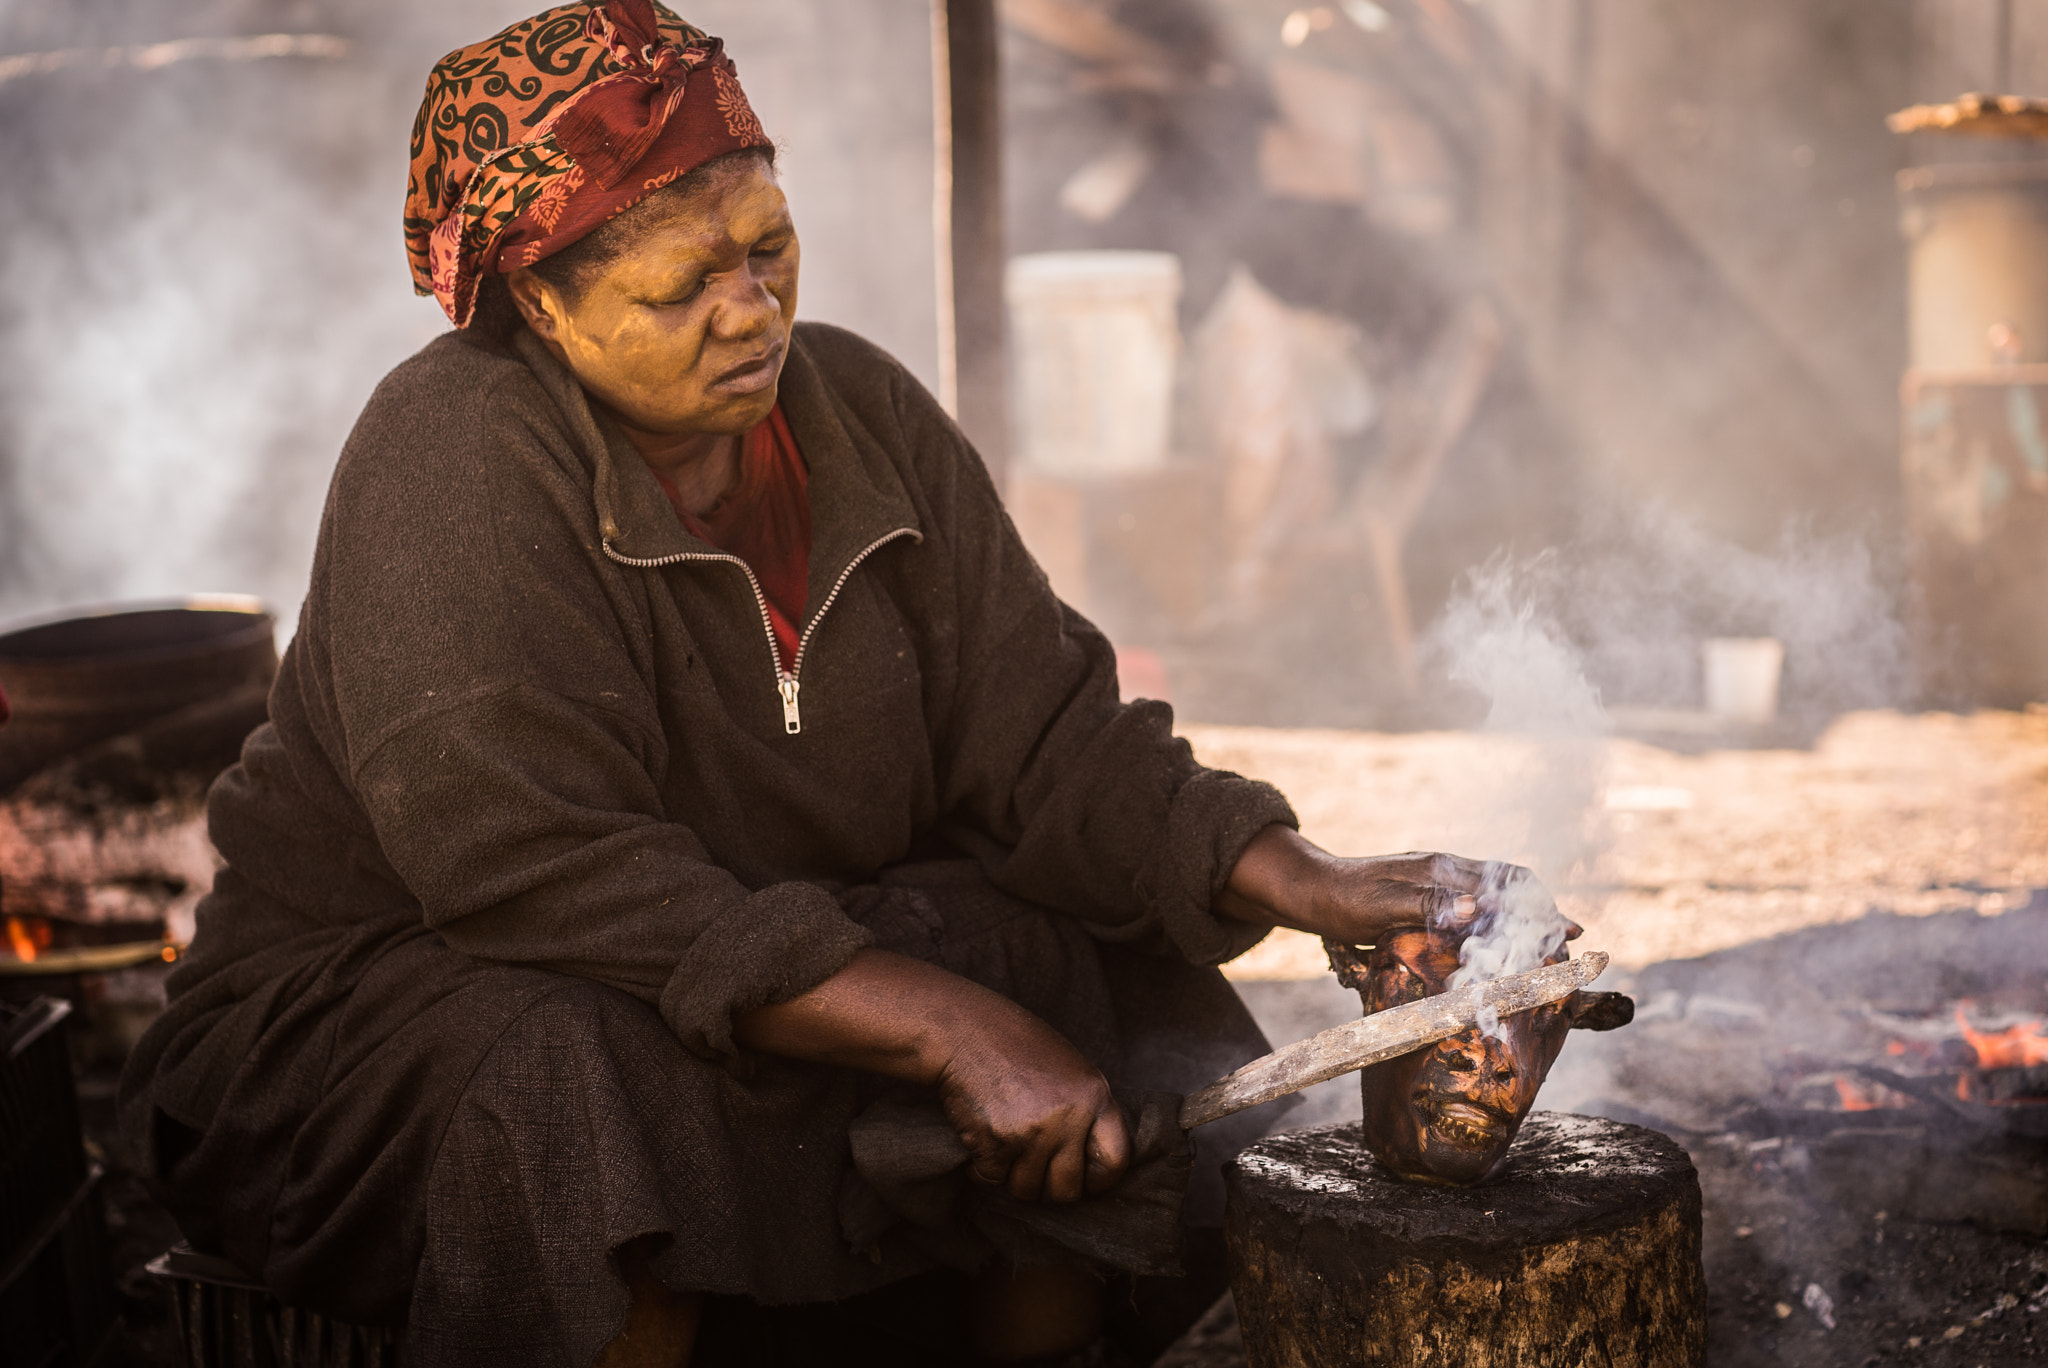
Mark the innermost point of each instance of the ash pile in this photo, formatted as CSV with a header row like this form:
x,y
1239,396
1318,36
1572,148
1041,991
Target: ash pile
x,y
1868,1108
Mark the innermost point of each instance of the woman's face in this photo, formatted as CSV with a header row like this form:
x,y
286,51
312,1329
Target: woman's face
x,y
687,332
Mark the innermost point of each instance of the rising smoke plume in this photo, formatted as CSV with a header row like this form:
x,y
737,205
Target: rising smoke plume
x,y
1556,644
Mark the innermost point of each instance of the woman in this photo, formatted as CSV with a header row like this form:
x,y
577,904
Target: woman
x,y
679,757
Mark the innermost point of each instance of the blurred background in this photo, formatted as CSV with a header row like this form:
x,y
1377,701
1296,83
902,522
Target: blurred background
x,y
1428,283
1606,434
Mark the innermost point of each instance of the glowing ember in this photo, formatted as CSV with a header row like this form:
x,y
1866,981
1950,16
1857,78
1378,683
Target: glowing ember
x,y
1857,1095
2016,1047
27,936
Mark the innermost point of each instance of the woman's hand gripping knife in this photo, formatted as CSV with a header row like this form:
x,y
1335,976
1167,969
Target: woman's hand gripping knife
x,y
1283,879
1036,1117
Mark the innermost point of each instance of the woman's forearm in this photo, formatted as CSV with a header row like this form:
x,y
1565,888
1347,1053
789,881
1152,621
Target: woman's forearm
x,y
1276,881
884,1013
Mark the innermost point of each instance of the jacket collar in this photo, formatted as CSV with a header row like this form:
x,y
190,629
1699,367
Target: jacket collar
x,y
856,496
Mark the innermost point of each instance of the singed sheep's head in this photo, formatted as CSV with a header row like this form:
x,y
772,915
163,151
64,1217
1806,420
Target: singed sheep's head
x,y
1448,1113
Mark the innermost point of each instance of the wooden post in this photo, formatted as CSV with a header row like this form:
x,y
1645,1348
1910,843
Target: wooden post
x,y
1586,1250
973,341
2001,50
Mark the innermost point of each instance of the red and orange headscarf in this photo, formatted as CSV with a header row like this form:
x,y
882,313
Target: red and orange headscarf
x,y
530,139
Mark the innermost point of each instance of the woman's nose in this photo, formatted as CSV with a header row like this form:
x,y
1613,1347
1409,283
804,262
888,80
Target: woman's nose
x,y
748,307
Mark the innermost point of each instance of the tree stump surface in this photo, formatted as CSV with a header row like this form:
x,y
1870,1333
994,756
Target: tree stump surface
x,y
1584,1251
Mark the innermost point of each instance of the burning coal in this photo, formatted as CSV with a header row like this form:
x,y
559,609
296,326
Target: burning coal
x,y
2016,1047
28,937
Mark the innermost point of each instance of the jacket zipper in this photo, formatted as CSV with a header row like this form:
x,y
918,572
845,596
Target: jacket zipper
x,y
786,681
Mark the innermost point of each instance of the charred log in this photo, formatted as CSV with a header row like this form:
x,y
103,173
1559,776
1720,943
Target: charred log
x,y
1586,1249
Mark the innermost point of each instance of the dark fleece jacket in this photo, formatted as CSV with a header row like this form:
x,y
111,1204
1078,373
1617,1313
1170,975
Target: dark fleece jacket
x,y
527,707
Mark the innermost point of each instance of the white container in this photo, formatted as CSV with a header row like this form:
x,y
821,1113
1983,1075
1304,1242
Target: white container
x,y
1097,337
1742,676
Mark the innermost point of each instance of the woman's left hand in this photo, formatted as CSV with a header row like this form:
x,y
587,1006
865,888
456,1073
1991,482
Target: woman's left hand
x,y
1283,879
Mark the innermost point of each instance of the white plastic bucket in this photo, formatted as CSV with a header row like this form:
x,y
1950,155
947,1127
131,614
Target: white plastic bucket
x,y
1097,337
1742,676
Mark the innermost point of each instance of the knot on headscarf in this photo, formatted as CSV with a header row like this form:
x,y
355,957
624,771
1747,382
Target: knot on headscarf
x,y
527,141
609,124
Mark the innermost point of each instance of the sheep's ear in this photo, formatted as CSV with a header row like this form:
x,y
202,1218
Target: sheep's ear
x,y
1599,1011
1348,962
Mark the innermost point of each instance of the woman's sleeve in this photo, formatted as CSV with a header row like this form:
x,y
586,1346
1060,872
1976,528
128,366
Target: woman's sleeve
x,y
491,691
1068,797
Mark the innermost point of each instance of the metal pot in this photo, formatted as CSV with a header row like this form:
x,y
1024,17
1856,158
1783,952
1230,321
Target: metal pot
x,y
83,679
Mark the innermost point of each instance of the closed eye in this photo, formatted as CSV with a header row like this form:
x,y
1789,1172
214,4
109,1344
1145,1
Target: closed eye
x,y
695,289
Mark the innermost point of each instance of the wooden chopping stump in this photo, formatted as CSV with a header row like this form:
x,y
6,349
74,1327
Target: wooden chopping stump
x,y
1585,1251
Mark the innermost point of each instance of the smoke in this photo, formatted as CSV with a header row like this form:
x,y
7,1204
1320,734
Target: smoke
x,y
1518,927
177,440
1517,654
204,277
1606,629
203,284
1639,592
1577,638
1497,637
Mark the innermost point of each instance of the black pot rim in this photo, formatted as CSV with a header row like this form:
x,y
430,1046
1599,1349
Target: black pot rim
x,y
259,624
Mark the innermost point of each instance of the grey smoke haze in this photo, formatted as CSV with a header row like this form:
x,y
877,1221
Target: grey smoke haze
x,y
1519,929
171,424
203,278
1498,637
1617,616
1683,215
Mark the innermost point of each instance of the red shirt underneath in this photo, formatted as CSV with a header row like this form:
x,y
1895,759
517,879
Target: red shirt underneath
x,y
766,522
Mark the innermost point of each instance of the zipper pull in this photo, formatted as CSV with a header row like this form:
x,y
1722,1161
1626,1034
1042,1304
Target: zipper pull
x,y
792,720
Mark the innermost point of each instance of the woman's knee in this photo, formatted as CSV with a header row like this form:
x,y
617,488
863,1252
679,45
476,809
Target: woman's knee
x,y
562,1011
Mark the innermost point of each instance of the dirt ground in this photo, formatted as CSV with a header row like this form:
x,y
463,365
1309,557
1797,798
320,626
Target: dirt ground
x,y
1682,854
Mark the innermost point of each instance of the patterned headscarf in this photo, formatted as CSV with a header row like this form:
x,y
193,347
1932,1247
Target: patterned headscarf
x,y
530,139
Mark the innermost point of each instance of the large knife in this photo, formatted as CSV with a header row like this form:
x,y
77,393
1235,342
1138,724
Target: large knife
x,y
1384,1035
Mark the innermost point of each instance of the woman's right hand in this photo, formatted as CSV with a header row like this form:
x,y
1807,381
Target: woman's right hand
x,y
1036,1116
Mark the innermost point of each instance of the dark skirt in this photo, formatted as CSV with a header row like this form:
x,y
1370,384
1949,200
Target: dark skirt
x,y
394,1133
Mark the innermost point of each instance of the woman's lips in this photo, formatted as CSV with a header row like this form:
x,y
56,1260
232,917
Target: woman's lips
x,y
751,376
